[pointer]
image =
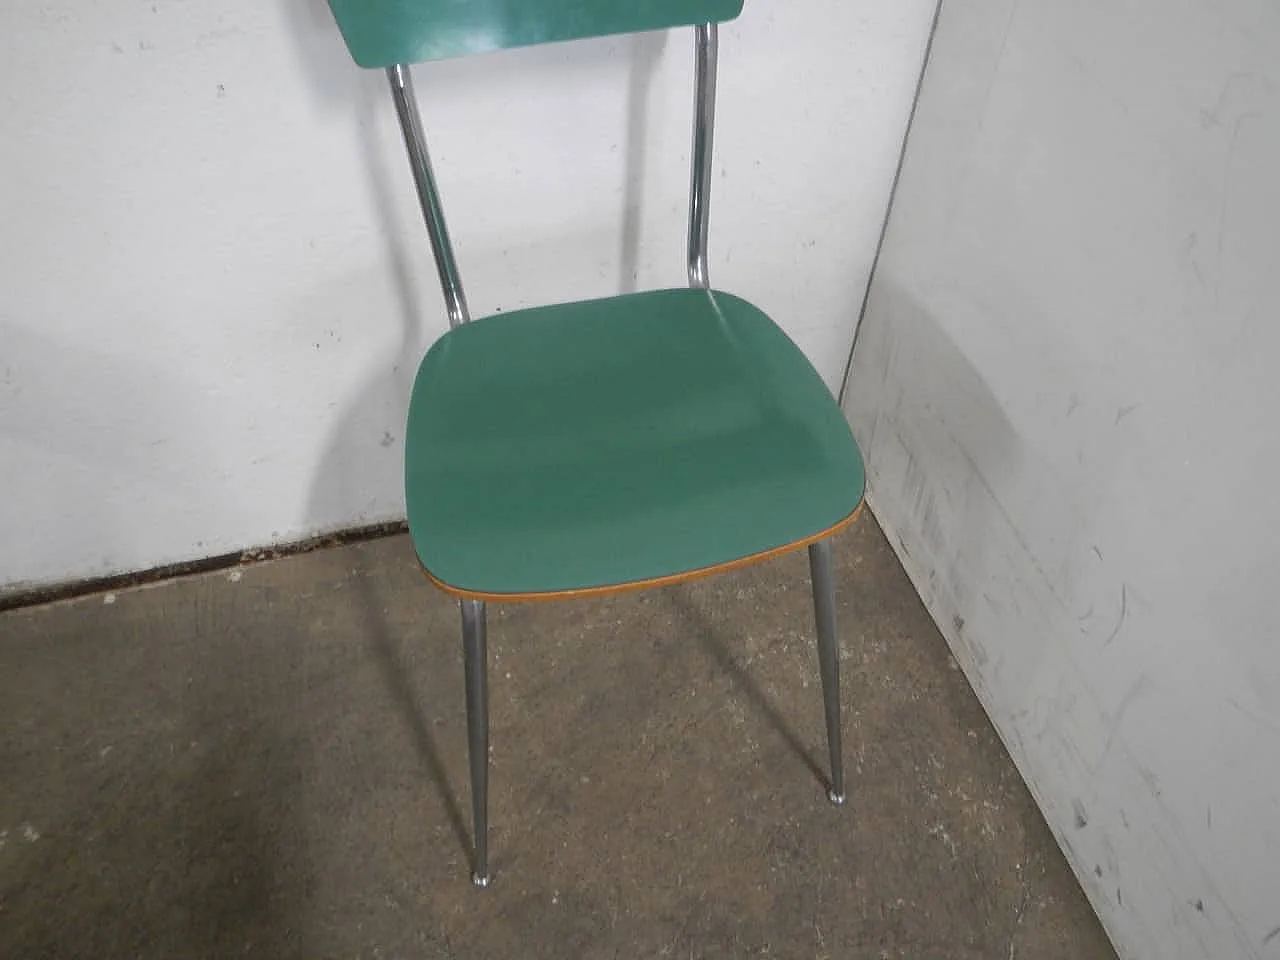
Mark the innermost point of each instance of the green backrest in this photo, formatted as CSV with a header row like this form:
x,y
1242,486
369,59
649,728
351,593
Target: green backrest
x,y
382,33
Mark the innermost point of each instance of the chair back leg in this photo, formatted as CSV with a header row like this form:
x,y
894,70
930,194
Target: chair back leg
x,y
824,608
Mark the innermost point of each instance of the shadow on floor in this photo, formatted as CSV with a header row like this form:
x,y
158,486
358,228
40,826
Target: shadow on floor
x,y
271,762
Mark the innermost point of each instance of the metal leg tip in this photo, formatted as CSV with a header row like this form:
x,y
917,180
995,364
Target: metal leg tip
x,y
480,879
836,798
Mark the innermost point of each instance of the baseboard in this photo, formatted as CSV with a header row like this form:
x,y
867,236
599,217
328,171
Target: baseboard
x,y
120,581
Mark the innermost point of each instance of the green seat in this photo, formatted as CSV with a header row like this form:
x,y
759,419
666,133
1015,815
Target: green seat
x,y
607,444
617,441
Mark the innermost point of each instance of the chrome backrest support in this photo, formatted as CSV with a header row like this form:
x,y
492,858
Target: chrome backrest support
x,y
706,40
704,121
428,196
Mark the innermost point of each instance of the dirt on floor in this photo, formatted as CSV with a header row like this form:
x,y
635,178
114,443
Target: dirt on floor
x,y
270,761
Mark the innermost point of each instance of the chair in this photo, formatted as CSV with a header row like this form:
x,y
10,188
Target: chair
x,y
583,448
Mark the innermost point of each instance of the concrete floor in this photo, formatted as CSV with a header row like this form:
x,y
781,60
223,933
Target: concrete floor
x,y
271,762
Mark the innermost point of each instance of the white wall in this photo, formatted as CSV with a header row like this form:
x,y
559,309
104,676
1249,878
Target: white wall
x,y
214,284
1066,387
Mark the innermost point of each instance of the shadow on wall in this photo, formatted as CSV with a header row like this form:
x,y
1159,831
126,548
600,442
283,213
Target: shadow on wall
x,y
363,459
931,465
996,538
359,458
88,413
363,455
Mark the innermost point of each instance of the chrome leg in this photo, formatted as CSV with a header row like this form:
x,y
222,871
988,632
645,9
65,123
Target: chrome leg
x,y
475,663
824,609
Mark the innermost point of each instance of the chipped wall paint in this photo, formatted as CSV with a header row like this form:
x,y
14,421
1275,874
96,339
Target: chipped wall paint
x,y
1065,384
214,286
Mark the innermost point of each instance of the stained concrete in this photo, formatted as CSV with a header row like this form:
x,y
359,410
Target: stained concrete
x,y
271,762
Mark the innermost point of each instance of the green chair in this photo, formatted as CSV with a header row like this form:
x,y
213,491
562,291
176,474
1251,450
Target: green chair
x,y
604,445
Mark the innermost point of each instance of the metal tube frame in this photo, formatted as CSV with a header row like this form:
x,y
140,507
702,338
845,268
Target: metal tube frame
x,y
475,662
824,611
473,612
706,38
424,179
